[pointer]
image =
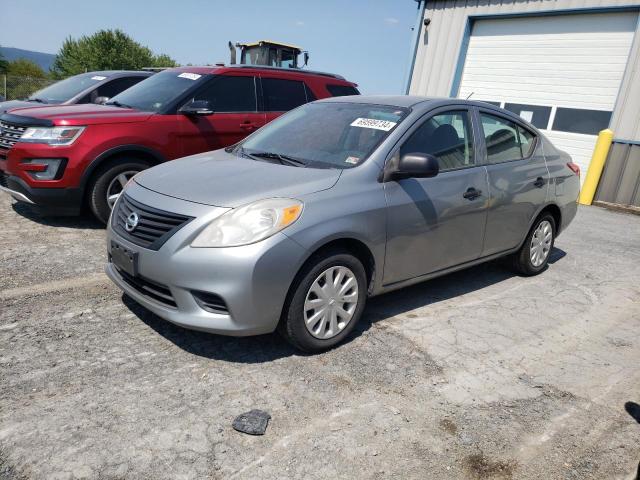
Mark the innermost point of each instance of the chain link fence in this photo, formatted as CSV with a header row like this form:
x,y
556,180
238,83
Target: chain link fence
x,y
13,87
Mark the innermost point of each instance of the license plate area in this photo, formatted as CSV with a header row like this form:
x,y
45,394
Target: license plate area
x,y
124,259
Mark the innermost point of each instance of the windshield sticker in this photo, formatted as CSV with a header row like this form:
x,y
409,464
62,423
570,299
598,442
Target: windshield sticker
x,y
98,77
190,76
352,160
373,123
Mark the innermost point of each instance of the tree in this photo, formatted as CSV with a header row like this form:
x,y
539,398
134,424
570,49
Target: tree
x,y
22,67
3,64
105,50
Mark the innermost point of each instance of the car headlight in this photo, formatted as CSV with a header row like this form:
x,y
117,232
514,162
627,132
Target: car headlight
x,y
51,135
250,223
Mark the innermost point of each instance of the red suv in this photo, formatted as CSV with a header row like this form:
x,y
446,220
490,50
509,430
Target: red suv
x,y
65,157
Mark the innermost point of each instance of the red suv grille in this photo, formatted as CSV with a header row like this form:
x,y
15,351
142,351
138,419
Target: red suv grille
x,y
10,134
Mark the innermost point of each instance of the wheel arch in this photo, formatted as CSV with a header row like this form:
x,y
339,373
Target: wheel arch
x,y
138,151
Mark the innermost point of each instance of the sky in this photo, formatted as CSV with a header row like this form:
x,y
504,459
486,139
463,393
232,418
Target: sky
x,y
366,41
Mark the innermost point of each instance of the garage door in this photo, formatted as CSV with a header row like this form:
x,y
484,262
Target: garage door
x,y
560,72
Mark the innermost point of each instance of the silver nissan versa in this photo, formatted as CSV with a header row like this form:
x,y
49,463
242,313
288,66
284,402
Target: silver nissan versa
x,y
336,201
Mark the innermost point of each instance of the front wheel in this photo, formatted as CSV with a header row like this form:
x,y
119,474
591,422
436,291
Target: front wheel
x,y
108,183
328,298
533,256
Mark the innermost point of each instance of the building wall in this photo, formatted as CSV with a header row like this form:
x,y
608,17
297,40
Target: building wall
x,y
439,44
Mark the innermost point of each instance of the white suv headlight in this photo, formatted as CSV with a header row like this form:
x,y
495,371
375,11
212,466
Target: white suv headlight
x,y
250,223
51,135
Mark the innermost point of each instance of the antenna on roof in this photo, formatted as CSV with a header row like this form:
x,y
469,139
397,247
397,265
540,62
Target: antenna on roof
x,y
469,95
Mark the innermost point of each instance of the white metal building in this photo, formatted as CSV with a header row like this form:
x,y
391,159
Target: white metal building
x,y
571,67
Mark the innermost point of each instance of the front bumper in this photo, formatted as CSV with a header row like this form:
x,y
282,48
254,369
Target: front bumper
x,y
58,201
252,280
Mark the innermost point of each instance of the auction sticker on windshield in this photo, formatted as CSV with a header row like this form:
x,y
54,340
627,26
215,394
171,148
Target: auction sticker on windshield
x,y
98,77
373,123
190,76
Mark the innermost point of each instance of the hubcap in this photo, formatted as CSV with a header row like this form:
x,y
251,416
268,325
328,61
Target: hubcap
x,y
331,302
541,243
116,185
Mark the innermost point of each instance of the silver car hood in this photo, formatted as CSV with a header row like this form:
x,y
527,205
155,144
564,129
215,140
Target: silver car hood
x,y
222,179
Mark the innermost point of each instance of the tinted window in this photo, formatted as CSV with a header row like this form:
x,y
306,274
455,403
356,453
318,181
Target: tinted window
x,y
114,87
338,135
537,115
505,140
230,94
578,120
282,95
446,136
156,92
342,90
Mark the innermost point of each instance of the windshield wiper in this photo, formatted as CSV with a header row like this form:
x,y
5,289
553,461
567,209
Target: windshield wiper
x,y
115,103
283,159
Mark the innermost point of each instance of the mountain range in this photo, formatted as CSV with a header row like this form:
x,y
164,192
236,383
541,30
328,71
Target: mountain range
x,y
45,60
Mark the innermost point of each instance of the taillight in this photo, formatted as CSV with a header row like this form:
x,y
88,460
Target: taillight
x,y
574,168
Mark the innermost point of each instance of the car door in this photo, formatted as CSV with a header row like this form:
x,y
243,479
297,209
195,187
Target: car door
x,y
279,95
233,101
518,180
436,223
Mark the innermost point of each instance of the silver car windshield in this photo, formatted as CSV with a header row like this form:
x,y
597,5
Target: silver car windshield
x,y
324,135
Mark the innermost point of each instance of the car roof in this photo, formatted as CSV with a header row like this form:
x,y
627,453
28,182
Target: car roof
x,y
406,101
220,69
121,73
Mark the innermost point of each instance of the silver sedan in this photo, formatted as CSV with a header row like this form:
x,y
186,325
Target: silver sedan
x,y
334,202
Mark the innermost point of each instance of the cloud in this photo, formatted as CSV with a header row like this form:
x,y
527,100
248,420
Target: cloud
x,y
299,23
391,21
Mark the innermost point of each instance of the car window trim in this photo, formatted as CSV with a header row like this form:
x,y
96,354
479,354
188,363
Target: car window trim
x,y
431,113
508,118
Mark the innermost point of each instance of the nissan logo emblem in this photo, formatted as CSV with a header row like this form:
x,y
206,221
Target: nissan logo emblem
x,y
132,222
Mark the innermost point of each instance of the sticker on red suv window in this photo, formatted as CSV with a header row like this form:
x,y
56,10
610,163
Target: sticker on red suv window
x,y
385,125
190,76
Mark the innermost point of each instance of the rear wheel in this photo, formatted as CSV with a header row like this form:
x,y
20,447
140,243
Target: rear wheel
x,y
533,256
327,301
108,182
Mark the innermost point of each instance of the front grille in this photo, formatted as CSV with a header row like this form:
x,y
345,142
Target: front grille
x,y
156,291
154,228
3,180
10,134
210,302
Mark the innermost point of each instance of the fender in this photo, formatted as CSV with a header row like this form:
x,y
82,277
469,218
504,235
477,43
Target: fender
x,y
535,216
158,157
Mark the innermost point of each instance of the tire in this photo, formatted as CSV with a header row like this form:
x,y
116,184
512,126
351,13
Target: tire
x,y
293,325
524,261
102,182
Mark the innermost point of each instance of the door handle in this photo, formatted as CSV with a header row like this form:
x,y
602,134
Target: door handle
x,y
539,182
248,125
472,193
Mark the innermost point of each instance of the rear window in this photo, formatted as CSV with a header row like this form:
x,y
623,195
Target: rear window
x,y
342,90
282,95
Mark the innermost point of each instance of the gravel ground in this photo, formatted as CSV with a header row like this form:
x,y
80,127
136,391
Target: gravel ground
x,y
477,375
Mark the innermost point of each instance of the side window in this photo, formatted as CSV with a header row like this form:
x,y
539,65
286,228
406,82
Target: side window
x,y
114,87
283,95
230,94
505,140
446,136
342,90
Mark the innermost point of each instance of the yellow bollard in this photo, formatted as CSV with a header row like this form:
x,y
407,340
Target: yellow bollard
x,y
600,152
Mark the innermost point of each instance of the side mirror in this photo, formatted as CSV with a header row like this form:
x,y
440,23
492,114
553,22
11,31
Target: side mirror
x,y
306,58
100,100
416,165
196,107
